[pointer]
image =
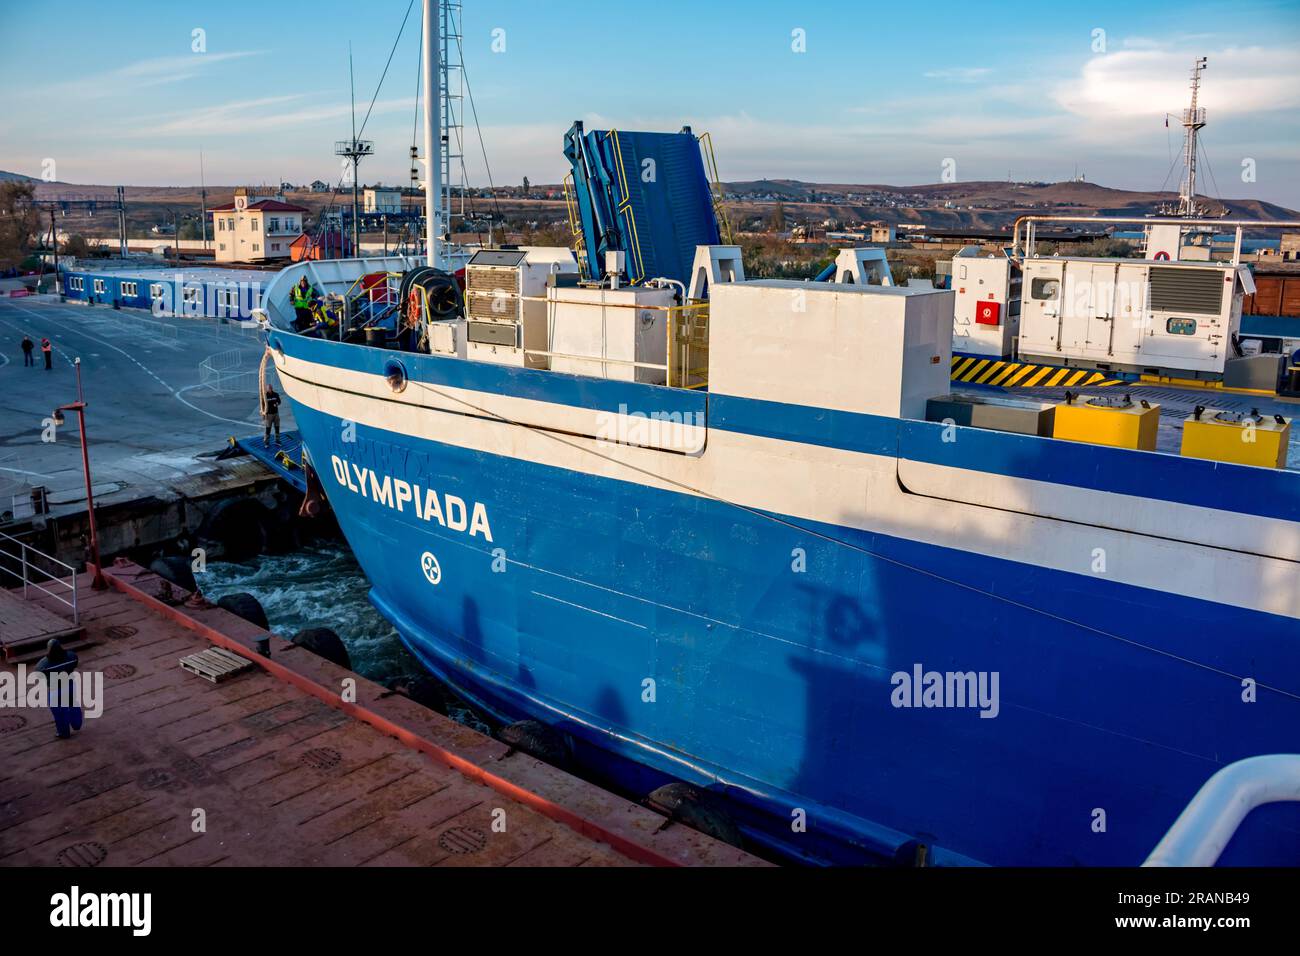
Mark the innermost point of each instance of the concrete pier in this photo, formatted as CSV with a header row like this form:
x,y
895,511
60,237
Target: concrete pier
x,y
163,393
295,761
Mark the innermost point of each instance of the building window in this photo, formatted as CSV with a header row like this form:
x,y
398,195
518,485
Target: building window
x,y
99,285
221,225
256,247
130,289
275,224
221,247
275,247
156,291
230,223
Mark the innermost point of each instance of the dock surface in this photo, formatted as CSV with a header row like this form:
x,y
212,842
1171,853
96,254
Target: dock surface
x,y
273,766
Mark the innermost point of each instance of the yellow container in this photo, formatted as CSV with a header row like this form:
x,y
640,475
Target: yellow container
x,y
1122,426
1243,440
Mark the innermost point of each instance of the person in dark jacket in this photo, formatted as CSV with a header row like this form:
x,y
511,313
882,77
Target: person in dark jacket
x,y
28,345
67,715
271,416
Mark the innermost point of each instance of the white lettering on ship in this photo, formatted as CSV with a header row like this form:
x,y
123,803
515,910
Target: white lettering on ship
x,y
427,504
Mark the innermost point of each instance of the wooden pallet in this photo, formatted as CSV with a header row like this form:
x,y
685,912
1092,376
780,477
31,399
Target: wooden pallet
x,y
216,664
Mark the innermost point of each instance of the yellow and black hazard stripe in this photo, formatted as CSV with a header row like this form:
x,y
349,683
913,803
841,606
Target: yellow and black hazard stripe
x,y
988,371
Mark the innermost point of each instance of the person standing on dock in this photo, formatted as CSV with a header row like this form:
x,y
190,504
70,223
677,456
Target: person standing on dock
x,y
28,345
67,714
47,350
270,415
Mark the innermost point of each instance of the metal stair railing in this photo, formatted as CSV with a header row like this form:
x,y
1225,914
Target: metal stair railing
x,y
31,575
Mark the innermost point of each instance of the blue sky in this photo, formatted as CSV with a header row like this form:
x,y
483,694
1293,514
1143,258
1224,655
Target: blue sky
x,y
880,92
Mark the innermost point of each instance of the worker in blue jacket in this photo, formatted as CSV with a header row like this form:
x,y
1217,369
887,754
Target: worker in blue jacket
x,y
67,714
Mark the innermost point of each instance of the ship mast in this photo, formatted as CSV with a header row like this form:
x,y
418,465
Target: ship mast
x,y
432,129
1193,120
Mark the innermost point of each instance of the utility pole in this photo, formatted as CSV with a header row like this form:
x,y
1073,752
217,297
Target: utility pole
x,y
203,198
54,244
121,219
1193,120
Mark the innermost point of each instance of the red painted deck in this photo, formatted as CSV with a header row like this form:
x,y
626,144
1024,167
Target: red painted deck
x,y
283,771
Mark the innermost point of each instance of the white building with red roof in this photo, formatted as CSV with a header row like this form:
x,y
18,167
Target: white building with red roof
x,y
253,229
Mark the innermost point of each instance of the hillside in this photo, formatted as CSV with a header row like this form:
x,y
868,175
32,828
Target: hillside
x,y
961,205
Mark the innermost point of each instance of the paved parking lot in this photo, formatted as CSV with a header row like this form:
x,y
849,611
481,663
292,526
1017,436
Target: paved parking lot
x,y
150,408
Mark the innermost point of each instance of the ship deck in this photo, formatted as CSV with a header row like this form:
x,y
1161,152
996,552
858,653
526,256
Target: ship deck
x,y
274,767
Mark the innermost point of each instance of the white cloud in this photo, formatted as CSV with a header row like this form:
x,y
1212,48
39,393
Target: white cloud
x,y
264,114
959,74
1149,83
156,71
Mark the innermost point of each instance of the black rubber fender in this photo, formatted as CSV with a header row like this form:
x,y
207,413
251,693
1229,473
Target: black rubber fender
x,y
324,642
242,604
696,809
239,525
537,740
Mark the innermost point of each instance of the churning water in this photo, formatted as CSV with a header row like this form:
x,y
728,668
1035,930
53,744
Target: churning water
x,y
321,585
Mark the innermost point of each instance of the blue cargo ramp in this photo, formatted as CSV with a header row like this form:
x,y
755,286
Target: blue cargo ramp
x,y
644,194
285,459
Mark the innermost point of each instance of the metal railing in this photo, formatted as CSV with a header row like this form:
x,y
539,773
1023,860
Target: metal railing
x,y
575,226
226,374
686,345
31,575
715,187
1205,828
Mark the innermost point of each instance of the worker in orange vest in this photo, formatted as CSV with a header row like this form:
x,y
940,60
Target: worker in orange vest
x,y
48,351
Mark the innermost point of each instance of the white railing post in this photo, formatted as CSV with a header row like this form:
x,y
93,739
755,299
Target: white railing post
x,y
1204,829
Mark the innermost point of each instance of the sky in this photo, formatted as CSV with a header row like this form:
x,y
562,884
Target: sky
x,y
132,93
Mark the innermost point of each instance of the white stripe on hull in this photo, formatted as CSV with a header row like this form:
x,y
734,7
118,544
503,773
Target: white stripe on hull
x,y
838,487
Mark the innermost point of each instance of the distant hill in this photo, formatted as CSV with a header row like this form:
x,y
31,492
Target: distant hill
x,y
7,177
980,204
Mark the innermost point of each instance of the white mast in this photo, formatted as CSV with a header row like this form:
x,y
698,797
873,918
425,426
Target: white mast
x,y
1193,120
432,129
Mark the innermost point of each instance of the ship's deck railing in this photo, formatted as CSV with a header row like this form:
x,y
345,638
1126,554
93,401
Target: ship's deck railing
x,y
1203,830
686,346
32,574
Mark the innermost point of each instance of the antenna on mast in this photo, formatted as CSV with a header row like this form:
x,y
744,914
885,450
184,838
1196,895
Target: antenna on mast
x,y
353,149
1193,120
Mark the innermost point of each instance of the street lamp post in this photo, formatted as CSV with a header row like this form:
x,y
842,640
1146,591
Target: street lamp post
x,y
79,406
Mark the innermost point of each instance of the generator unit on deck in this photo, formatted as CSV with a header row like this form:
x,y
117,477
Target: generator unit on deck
x,y
505,303
986,310
1132,315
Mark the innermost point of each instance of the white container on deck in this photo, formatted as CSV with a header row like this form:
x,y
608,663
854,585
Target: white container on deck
x,y
610,333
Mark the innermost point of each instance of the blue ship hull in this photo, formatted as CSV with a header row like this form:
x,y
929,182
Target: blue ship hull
x,y
667,636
